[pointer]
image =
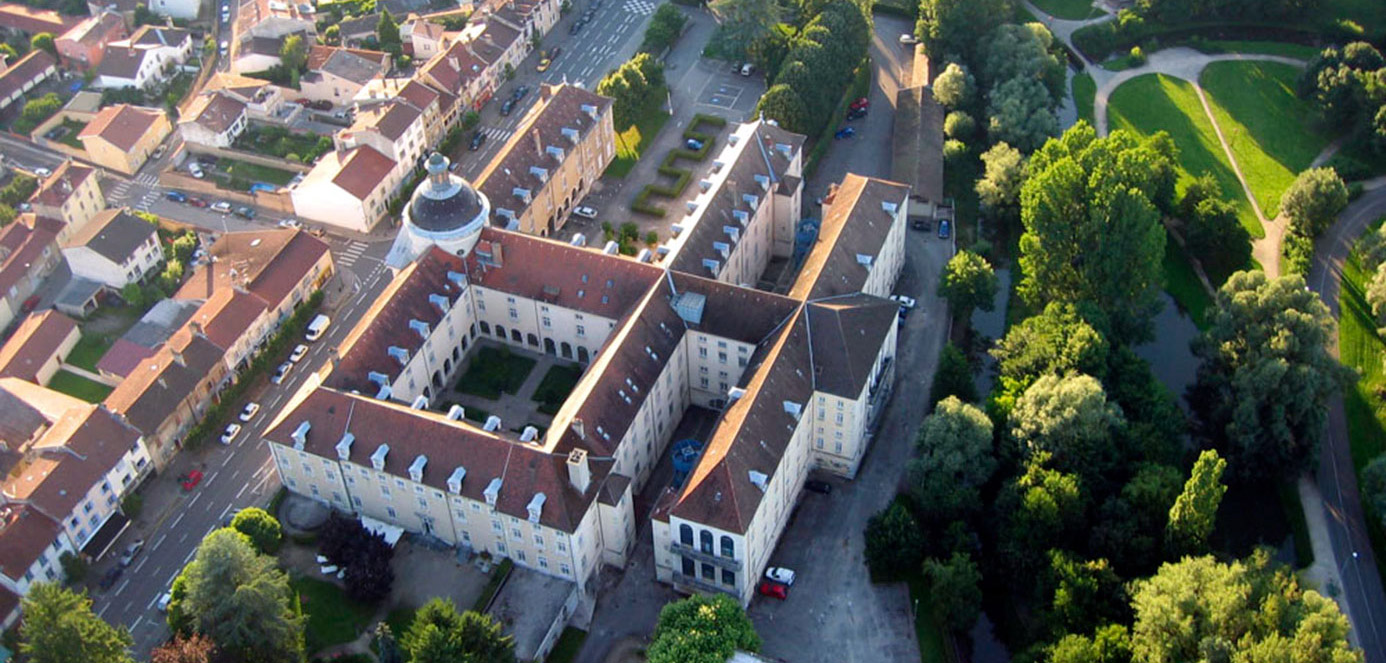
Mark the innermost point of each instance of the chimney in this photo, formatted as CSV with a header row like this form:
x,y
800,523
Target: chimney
x,y
177,356
578,471
538,144
195,327
579,428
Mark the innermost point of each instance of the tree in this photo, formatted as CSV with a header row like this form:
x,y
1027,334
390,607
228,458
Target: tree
x,y
1245,610
1020,112
1081,594
59,627
294,53
741,23
664,28
332,36
239,599
263,529
1092,227
1266,375
387,30
894,544
1059,340
75,567
44,41
1314,200
193,649
1212,231
955,87
956,27
955,461
1110,644
702,629
955,590
1195,511
1069,419
1037,509
953,377
363,554
968,283
1004,173
387,645
959,125
440,634
1374,487
1017,51
1128,523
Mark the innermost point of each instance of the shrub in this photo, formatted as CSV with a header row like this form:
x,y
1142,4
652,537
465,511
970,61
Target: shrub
x,y
1299,253
74,567
1137,56
894,544
959,125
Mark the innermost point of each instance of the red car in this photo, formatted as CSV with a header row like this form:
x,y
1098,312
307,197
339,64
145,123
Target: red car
x,y
192,479
196,202
774,589
30,304
860,103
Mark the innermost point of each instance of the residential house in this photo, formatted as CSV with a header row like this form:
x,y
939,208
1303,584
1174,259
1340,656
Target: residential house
x,y
263,101
26,74
280,267
24,20
275,19
238,321
145,337
72,194
185,9
121,137
256,54
431,101
337,74
348,188
558,151
126,8
354,31
28,254
82,46
424,38
145,59
117,248
395,129
213,119
457,71
40,343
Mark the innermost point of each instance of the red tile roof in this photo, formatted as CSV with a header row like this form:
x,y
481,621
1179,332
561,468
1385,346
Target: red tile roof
x,y
29,68
362,171
75,454
21,246
453,69
35,342
227,315
122,357
32,21
162,382
58,187
121,125
24,535
265,263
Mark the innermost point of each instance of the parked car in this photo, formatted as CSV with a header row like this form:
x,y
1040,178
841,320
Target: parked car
x,y
781,575
773,590
230,516
860,102
908,39
249,411
158,153
164,600
921,224
736,67
577,25
299,352
543,65
191,479
520,92
507,106
42,172
317,327
230,433
905,301
177,196
477,139
108,579
131,552
195,169
585,212
196,202
30,304
845,132
944,229
693,144
820,487
221,206
747,69
856,113
245,212
281,373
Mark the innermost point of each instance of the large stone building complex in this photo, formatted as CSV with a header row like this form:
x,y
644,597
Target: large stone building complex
x,y
796,382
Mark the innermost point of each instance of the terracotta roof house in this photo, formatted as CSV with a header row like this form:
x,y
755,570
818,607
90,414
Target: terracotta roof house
x,y
348,188
31,70
28,254
82,46
142,340
338,74
213,119
72,194
29,21
280,267
145,58
36,348
121,137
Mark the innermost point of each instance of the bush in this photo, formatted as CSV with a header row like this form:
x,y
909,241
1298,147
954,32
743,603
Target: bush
x,y
1137,56
74,567
953,377
959,125
1299,253
132,505
894,544
263,529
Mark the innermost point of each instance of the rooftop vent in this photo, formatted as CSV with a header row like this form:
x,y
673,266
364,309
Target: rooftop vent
x,y
723,249
400,354
455,480
536,507
378,458
506,213
611,248
529,434
759,479
456,412
712,265
691,206
579,240
378,378
763,181
571,134
541,173
421,327
492,492
643,256
385,393
865,260
579,474
676,229
785,149
704,184
889,206
735,393
689,306
733,232
751,199
554,151
794,409
741,215
441,302
493,423
459,278
717,165
590,110
420,402
521,193
300,435
344,446
416,468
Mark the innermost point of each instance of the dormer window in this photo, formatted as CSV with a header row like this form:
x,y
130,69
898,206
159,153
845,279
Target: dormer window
x,y
378,458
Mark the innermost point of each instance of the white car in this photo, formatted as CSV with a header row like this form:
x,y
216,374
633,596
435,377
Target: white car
x,y
290,223
164,600
281,373
908,39
196,170
221,206
781,575
249,412
231,431
904,301
299,352
42,172
585,212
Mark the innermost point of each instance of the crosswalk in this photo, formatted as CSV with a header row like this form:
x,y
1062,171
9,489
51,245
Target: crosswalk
x,y
497,134
145,201
640,7
351,254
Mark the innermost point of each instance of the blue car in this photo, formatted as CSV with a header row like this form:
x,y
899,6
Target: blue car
x,y
693,144
845,132
176,196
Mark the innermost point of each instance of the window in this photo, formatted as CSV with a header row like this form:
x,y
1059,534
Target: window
x,y
514,314
356,501
500,547
547,322
563,568
496,527
728,577
485,326
562,547
539,540
520,555
515,532
581,331
839,418
685,535
705,541
709,573
721,357
728,546
702,352
688,567
391,510
837,448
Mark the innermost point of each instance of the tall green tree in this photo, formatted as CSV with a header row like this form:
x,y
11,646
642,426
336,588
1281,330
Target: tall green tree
x,y
955,590
264,530
953,377
1314,200
440,634
894,544
1058,340
1081,594
955,460
1374,487
293,53
1070,419
1020,112
1110,644
59,627
1266,375
1243,611
742,22
241,600
954,29
1037,510
968,283
702,629
1003,174
387,30
1212,232
1092,227
955,88
1129,526
1195,511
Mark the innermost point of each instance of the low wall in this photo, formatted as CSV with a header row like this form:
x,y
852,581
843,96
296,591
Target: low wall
x,y
36,136
248,157
275,201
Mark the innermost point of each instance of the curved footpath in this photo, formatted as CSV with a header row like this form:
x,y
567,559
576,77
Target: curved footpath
x,y
1352,549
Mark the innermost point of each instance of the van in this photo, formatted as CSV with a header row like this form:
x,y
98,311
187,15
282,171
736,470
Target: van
x,y
747,68
317,327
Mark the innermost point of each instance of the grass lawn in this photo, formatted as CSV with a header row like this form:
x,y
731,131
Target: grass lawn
x,y
1265,48
89,350
281,143
251,172
556,386
493,371
1084,94
1183,285
1068,9
1265,124
1155,102
77,386
1361,348
632,143
1121,63
331,617
74,128
932,645
566,649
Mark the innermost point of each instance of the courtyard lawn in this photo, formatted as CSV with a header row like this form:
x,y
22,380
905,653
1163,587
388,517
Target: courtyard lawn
x,y
1156,102
73,129
568,645
1084,92
1264,123
239,175
556,386
1362,349
494,371
89,350
331,618
1067,9
77,386
634,140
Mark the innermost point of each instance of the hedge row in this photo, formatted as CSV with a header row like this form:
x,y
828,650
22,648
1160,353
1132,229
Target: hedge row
x,y
1099,41
859,87
682,176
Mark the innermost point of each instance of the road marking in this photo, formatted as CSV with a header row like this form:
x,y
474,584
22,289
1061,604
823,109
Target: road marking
x,y
226,460
122,586
278,397
137,623
224,512
183,537
185,559
151,603
102,611
176,520
208,482
613,39
193,501
156,543
140,565
242,490
171,577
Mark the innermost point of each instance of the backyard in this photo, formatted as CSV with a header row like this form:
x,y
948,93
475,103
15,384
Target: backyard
x,y
77,386
240,175
331,617
278,142
89,350
67,132
494,371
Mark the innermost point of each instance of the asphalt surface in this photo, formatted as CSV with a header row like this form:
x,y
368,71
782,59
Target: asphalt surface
x,y
1352,549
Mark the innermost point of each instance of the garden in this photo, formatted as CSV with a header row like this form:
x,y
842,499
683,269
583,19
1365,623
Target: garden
x,y
668,168
556,386
494,371
79,387
235,175
284,144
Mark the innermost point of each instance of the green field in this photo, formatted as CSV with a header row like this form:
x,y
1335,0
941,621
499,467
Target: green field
x,y
1067,9
556,386
632,143
1362,349
1264,123
1084,94
77,386
1155,102
1263,48
332,618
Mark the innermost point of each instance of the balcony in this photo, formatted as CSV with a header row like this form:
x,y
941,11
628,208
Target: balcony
x,y
689,551
696,583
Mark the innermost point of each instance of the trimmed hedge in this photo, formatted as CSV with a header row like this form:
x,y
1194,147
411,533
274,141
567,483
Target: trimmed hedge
x,y
493,585
1099,41
667,167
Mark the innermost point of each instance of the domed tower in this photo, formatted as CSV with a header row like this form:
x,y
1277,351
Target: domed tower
x,y
445,211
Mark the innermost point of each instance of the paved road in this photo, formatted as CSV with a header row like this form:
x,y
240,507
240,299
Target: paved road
x,y
1352,550
237,476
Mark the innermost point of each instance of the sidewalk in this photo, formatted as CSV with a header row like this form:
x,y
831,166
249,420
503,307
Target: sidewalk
x,y
1323,573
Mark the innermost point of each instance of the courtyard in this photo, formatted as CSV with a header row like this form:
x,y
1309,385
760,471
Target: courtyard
x,y
521,387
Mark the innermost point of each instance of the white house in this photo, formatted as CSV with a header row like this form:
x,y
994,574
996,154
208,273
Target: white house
x,y
213,119
147,57
347,188
176,8
116,248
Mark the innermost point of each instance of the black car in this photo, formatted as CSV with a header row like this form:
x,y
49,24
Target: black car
x,y
921,224
507,106
577,25
856,113
520,92
111,577
820,487
477,139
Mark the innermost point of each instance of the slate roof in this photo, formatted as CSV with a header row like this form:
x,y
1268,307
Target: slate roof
x,y
21,245
160,383
28,68
847,335
114,234
854,224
